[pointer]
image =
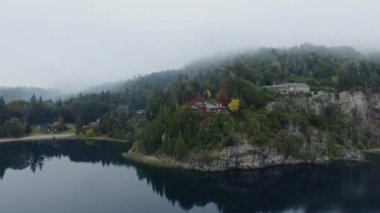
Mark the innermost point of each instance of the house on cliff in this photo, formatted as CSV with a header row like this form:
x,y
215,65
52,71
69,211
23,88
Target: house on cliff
x,y
208,107
288,88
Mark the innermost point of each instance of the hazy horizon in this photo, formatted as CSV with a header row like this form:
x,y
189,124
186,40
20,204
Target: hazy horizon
x,y
76,44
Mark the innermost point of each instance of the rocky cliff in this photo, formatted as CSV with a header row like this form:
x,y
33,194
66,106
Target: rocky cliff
x,y
354,106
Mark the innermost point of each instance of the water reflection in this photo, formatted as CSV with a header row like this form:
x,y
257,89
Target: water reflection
x,y
340,188
33,154
335,187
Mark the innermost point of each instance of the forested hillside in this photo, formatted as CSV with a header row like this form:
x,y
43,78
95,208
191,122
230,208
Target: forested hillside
x,y
256,116
25,93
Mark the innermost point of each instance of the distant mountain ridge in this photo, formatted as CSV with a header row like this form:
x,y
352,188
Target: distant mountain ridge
x,y
25,93
109,86
204,65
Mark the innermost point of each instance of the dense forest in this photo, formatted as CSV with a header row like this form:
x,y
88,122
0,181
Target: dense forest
x,y
170,126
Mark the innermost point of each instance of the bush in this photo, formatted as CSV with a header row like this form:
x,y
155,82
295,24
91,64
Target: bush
x,y
28,129
14,127
90,133
180,147
59,125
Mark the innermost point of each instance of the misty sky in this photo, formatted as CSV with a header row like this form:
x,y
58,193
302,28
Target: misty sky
x,y
72,44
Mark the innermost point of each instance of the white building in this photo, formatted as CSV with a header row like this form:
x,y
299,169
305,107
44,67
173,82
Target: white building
x,y
287,88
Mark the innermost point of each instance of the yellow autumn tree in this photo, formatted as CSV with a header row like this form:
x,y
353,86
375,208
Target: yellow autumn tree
x,y
90,133
234,105
207,94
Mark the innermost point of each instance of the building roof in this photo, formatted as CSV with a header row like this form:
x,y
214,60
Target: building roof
x,y
288,85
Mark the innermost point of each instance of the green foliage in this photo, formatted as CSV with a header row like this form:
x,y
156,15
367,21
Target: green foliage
x,y
348,78
154,102
14,127
28,129
59,125
289,144
151,138
18,109
258,126
247,92
214,130
181,130
333,148
90,133
180,147
78,124
118,123
3,111
362,74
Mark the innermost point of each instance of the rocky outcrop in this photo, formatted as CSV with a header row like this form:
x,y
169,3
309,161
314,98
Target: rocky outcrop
x,y
355,102
349,103
320,100
245,155
242,156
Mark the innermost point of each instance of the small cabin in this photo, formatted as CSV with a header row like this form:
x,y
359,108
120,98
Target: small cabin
x,y
92,125
46,127
208,107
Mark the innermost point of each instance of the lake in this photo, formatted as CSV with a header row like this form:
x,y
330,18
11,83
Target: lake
x,y
74,176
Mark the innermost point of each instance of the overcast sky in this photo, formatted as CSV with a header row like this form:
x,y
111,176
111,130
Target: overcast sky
x,y
72,44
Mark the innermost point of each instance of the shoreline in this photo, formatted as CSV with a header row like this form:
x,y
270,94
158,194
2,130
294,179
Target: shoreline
x,y
156,161
373,150
57,137
42,137
149,160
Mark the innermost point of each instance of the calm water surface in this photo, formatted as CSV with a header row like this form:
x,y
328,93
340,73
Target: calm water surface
x,y
73,176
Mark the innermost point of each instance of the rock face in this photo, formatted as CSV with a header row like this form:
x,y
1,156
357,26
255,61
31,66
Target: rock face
x,y
320,100
247,156
366,107
244,155
349,103
356,101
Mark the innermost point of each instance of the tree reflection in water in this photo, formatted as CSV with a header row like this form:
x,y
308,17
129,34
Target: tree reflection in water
x,y
21,155
342,187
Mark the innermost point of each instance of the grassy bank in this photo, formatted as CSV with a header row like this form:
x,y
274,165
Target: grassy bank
x,y
148,160
102,138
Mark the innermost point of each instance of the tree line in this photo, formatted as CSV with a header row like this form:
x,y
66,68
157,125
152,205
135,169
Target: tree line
x,y
170,126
